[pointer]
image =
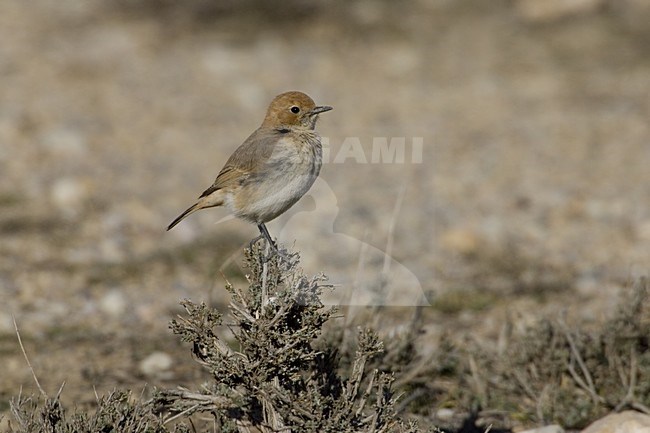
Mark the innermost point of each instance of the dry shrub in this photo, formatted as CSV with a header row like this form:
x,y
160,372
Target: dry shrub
x,y
571,376
549,372
282,373
279,376
116,412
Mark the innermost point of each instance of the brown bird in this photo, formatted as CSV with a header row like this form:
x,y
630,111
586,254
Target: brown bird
x,y
273,168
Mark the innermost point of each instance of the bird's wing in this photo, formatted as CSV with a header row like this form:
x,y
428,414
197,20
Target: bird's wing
x,y
254,152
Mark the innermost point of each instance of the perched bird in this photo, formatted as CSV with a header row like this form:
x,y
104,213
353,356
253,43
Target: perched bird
x,y
273,168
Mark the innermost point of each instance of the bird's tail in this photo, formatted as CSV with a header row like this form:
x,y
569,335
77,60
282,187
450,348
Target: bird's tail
x,y
188,211
210,200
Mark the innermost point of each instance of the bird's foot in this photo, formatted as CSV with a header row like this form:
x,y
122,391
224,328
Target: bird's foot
x,y
254,241
282,254
270,248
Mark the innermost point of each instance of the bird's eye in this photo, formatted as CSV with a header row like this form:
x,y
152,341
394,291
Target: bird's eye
x,y
295,110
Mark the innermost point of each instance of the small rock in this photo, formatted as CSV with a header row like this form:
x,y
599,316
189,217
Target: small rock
x,y
68,194
643,230
624,422
65,141
6,324
550,10
400,59
445,414
587,285
460,240
111,250
113,303
156,364
5,425
367,12
553,428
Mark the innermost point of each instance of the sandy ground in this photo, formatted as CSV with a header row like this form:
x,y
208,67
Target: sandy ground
x,y
524,189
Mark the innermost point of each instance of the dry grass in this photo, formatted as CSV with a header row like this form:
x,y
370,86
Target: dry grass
x,y
548,372
274,366
278,375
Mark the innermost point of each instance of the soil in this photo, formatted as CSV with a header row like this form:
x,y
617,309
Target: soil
x,y
524,188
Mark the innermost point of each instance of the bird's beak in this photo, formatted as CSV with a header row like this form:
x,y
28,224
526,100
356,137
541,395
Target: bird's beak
x,y
318,110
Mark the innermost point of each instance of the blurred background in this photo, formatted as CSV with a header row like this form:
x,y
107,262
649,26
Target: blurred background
x,y
532,192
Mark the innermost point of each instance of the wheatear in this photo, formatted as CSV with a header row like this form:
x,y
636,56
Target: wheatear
x,y
273,168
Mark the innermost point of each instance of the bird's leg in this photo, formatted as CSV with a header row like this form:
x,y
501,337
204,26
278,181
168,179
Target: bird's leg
x,y
265,234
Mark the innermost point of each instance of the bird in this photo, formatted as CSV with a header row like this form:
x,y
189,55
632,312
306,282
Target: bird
x,y
272,169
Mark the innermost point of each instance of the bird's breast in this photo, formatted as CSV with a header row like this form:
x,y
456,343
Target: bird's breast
x,y
281,181
298,153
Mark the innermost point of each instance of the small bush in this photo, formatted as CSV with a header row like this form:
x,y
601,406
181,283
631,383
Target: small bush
x,y
116,412
552,372
283,373
549,372
279,377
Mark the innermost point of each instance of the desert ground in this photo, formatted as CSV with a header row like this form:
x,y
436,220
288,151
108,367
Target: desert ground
x,y
523,191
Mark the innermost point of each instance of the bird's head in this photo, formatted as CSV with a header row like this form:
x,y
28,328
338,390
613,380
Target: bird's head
x,y
293,109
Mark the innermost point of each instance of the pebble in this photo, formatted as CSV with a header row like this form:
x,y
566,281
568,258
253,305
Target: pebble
x,y
551,10
68,194
64,141
624,422
553,428
156,364
461,241
6,323
445,414
643,230
113,303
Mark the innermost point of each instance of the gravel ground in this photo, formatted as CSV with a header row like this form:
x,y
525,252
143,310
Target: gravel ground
x,y
531,192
